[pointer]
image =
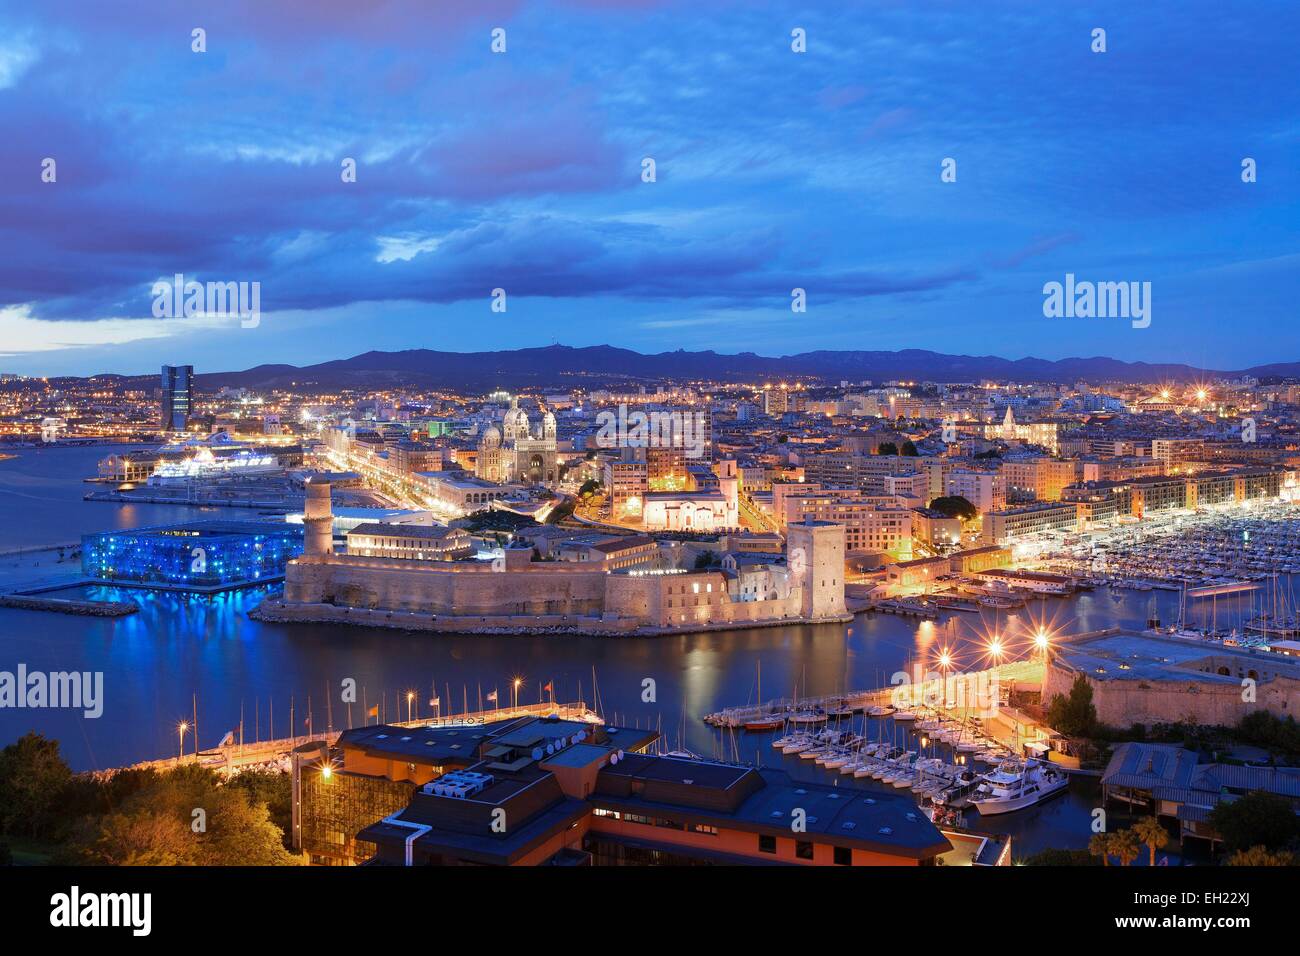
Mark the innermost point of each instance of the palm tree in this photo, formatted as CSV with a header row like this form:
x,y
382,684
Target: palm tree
x,y
1099,845
1151,832
1124,844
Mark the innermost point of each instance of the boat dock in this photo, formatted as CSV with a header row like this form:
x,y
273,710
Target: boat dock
x,y
905,608
924,689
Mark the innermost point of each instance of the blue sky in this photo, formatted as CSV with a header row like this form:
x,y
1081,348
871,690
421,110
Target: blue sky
x,y
522,171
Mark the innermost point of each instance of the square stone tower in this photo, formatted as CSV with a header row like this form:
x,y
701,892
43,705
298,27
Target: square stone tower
x,y
815,554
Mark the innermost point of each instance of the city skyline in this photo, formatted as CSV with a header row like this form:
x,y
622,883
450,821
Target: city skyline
x,y
523,170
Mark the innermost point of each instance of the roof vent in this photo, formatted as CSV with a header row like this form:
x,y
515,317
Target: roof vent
x,y
886,830
459,784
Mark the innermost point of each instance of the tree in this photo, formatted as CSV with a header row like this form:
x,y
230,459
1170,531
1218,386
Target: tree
x,y
955,506
588,488
33,777
887,448
1124,844
1261,856
1073,715
271,788
909,449
1151,832
1257,819
1099,845
188,816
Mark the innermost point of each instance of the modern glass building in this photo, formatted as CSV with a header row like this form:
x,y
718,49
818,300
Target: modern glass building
x,y
203,556
177,396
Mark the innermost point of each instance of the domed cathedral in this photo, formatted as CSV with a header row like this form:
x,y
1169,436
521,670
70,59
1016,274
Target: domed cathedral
x,y
517,452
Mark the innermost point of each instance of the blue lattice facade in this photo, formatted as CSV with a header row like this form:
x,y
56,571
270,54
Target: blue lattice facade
x,y
198,556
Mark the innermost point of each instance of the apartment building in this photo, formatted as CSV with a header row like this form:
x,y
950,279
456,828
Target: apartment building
x,y
986,490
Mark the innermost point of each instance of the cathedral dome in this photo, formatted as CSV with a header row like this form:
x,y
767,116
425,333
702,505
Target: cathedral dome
x,y
491,437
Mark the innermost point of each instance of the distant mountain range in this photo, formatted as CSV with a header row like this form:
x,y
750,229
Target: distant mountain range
x,y
563,367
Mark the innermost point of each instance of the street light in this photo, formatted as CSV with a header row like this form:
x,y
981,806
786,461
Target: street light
x,y
995,649
410,696
180,740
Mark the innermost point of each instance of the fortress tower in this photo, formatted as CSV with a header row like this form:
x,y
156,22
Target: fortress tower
x,y
318,517
815,553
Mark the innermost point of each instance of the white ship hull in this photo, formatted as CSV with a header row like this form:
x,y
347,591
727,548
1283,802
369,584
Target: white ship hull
x,y
993,806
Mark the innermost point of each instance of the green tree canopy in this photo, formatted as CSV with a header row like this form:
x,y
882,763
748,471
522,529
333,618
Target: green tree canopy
x,y
1073,714
188,817
955,506
1257,819
33,777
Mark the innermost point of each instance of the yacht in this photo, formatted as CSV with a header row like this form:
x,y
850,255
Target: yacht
x,y
1015,786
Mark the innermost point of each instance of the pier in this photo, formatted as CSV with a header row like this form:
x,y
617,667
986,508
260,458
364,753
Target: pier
x,y
931,690
236,756
31,602
906,609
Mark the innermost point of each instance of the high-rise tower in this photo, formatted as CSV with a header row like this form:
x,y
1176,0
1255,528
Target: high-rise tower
x,y
177,397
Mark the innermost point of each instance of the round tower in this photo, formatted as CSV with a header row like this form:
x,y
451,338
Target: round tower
x,y
318,517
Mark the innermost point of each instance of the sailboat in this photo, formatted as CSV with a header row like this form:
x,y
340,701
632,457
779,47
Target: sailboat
x,y
770,722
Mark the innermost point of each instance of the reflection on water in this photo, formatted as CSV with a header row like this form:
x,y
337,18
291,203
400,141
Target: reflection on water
x,y
41,499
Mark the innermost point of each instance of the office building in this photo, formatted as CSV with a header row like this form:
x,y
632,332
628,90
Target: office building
x,y
177,397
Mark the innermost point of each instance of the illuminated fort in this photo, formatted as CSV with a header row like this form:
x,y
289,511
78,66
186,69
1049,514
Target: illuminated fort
x,y
515,593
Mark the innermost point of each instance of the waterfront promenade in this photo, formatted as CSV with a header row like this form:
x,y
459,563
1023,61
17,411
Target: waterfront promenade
x,y
237,756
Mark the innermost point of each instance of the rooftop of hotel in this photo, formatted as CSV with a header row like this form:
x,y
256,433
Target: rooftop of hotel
x,y
764,800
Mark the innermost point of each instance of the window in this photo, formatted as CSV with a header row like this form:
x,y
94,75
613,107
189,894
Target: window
x,y
766,844
703,828
843,856
803,850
